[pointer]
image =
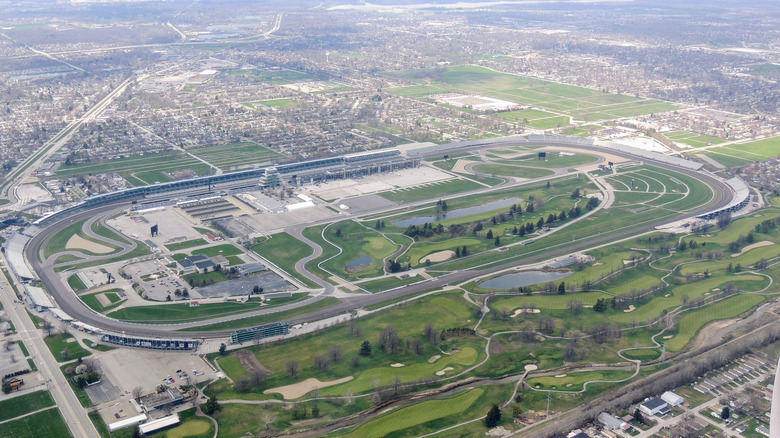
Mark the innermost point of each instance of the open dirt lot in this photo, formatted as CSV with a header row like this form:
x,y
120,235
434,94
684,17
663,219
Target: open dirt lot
x,y
291,392
78,242
250,363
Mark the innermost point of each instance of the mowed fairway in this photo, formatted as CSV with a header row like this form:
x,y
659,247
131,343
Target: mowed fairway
x,y
416,414
357,242
561,100
691,322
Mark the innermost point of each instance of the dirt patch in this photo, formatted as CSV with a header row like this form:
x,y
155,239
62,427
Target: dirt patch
x,y
434,358
250,363
444,371
460,166
397,365
631,308
753,246
291,392
103,300
438,256
78,242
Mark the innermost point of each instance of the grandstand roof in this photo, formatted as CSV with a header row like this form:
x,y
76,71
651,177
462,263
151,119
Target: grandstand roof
x,y
158,424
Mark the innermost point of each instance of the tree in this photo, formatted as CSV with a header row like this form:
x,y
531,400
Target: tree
x,y
365,349
575,194
137,392
338,232
601,305
292,368
315,411
725,413
562,288
335,353
489,234
493,417
211,406
431,333
222,349
242,384
47,326
497,241
575,306
724,220
321,362
638,416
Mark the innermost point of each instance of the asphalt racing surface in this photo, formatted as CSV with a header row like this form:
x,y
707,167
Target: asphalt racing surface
x,y
73,306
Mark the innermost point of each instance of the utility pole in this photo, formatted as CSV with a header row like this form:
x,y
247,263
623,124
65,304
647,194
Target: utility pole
x,y
549,393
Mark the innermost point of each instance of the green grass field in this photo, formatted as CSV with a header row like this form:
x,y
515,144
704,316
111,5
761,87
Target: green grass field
x,y
276,77
429,191
59,241
224,250
692,138
21,405
416,414
575,381
281,103
691,322
75,283
284,251
178,246
357,242
65,347
265,319
509,170
581,103
92,301
236,154
45,424
139,169
182,312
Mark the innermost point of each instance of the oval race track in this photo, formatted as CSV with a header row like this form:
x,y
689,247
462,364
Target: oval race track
x,y
73,306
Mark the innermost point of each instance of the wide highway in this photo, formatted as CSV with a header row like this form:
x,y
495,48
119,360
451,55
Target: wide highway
x,y
73,306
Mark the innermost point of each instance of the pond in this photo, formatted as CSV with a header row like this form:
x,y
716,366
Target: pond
x,y
365,260
460,212
524,278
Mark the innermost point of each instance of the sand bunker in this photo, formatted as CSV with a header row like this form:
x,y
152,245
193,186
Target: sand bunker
x,y
628,262
442,372
397,365
597,264
530,367
78,242
560,376
434,358
460,166
438,256
668,336
631,308
300,389
519,311
753,246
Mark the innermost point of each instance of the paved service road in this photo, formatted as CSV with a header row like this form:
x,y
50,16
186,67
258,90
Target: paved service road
x,y
71,305
72,412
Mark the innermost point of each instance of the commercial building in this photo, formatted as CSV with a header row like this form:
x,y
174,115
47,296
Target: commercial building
x,y
611,422
654,406
672,399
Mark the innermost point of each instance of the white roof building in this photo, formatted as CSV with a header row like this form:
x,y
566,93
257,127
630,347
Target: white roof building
x,y
159,424
38,298
672,399
127,422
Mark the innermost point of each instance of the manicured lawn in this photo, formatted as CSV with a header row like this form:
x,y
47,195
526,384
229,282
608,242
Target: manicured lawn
x,y
182,312
285,251
225,250
508,170
92,301
178,246
60,343
358,242
45,424
21,405
430,191
417,414
265,319
574,381
691,322
75,283
238,154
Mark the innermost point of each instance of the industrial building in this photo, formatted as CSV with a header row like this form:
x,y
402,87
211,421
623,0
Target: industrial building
x,y
654,406
154,344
